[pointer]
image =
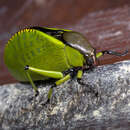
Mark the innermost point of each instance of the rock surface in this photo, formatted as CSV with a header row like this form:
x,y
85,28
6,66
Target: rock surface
x,y
103,102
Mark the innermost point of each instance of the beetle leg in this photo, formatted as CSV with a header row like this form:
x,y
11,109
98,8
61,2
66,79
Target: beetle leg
x,y
79,74
50,74
32,83
71,74
111,53
58,82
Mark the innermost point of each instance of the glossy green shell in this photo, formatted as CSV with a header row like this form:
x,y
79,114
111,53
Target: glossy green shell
x,y
40,50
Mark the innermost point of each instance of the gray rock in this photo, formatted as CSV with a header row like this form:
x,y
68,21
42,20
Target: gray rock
x,y
101,102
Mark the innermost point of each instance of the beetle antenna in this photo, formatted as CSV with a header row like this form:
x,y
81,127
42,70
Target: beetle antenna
x,y
115,53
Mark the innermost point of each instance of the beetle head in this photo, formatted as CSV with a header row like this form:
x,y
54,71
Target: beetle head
x,y
91,58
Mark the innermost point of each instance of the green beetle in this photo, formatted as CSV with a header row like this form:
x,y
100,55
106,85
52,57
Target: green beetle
x,y
39,53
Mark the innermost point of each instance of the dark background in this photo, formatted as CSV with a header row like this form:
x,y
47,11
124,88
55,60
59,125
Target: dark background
x,y
18,14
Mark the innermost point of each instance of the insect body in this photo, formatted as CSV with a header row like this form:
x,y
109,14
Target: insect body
x,y
39,53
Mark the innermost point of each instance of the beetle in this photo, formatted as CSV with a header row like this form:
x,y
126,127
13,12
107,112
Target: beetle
x,y
40,53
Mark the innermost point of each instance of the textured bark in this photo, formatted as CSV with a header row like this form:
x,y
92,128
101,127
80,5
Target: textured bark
x,y
103,102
